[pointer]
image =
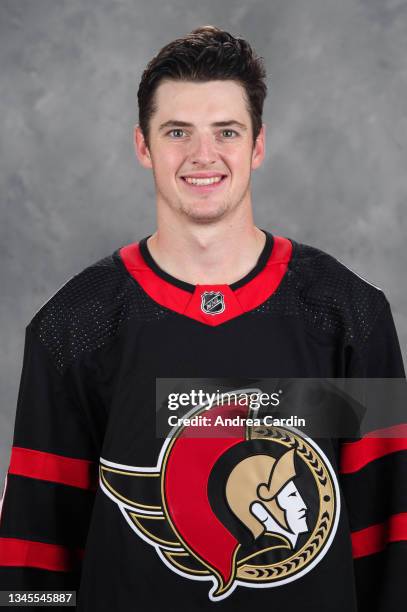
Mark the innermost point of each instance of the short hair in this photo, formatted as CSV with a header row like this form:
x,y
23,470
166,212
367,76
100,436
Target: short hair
x,y
205,54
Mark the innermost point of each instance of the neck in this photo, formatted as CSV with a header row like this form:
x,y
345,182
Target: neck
x,y
218,253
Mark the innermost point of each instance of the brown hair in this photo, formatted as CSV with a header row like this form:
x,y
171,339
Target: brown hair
x,y
205,54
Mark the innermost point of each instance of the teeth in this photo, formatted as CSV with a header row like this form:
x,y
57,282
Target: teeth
x,y
203,181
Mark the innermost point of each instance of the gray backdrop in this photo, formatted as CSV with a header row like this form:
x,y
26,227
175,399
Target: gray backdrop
x,y
71,187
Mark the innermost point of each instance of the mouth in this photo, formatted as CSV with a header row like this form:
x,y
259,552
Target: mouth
x,y
204,185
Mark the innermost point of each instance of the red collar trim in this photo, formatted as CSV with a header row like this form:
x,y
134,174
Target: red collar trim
x,y
211,304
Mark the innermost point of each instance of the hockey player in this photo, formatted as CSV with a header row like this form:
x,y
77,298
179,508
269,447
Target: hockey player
x,y
94,500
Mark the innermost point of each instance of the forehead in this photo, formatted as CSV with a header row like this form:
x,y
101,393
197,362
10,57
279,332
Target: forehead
x,y
289,488
199,102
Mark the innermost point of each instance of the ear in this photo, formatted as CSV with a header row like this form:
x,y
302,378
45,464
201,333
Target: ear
x,y
141,148
259,149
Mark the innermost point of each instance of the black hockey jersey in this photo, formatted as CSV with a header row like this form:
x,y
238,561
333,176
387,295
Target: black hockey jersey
x,y
97,501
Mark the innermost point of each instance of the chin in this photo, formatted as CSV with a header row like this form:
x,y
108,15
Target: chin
x,y
205,220
205,216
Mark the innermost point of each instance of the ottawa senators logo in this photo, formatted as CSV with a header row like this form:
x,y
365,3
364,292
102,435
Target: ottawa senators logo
x,y
249,506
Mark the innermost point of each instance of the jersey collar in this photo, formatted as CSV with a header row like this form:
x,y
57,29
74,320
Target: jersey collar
x,y
210,304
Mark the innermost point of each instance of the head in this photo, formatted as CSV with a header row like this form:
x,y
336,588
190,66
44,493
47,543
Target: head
x,y
200,113
258,480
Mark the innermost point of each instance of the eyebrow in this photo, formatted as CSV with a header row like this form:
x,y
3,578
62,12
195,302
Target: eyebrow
x,y
174,122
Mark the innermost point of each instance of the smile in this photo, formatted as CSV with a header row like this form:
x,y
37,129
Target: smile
x,y
204,184
202,181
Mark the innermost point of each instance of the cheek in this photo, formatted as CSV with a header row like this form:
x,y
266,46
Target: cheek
x,y
240,160
169,160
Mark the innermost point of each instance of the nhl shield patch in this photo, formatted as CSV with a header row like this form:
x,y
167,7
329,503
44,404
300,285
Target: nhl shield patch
x,y
212,302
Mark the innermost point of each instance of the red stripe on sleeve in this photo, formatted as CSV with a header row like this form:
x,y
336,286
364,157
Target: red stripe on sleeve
x,y
55,468
376,444
25,553
374,539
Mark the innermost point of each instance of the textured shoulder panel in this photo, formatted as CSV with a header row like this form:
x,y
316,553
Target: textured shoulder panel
x,y
326,295
90,308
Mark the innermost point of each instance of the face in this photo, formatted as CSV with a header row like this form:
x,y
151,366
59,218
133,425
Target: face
x,y
201,129
290,500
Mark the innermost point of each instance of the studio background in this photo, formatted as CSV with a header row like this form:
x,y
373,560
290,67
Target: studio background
x,y
71,188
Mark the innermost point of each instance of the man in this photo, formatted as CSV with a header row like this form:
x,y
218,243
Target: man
x,y
207,295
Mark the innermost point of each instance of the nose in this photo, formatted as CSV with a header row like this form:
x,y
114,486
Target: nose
x,y
301,503
203,150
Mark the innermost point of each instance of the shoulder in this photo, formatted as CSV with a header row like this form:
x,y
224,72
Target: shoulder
x,y
326,272
89,309
333,295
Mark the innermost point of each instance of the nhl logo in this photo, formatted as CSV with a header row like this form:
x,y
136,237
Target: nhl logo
x,y
212,302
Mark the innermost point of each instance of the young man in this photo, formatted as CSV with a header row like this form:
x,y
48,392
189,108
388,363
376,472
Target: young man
x,y
95,500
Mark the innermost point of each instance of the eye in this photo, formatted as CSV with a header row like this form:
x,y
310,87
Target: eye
x,y
175,130
294,493
228,130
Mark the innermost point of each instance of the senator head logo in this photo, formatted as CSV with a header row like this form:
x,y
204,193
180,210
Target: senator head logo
x,y
252,506
269,503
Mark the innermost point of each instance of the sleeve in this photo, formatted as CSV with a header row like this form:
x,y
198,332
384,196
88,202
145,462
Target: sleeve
x,y
373,474
51,479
